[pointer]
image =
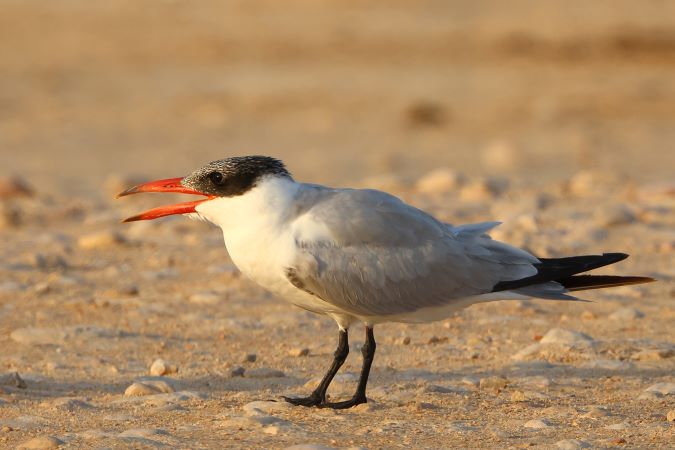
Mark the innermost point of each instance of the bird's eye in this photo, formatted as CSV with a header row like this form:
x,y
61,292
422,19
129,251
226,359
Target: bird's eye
x,y
216,177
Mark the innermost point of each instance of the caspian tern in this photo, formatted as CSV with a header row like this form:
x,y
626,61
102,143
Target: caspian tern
x,y
362,255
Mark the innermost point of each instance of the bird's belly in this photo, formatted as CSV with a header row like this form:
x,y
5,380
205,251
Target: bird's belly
x,y
265,263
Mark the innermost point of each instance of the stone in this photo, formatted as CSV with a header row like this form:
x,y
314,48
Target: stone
x,y
595,412
565,337
41,442
670,416
264,372
309,447
473,382
499,156
206,298
484,189
613,215
160,367
11,216
249,357
100,239
49,261
436,389
38,336
405,340
426,113
518,396
662,388
142,433
13,379
618,426
588,183
537,424
530,350
237,371
439,181
653,354
148,387
572,444
14,187
608,364
70,404
496,383
297,352
626,314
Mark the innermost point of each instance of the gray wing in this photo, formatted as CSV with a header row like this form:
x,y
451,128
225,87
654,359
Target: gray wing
x,y
369,253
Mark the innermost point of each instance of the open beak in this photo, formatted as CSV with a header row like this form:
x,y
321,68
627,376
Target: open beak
x,y
168,185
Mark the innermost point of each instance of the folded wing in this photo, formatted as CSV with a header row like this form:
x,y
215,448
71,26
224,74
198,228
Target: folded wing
x,y
368,253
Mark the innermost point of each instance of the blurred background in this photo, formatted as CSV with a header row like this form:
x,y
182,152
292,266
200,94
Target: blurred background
x,y
344,92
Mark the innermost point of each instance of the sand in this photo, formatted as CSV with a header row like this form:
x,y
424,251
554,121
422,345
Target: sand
x,y
555,118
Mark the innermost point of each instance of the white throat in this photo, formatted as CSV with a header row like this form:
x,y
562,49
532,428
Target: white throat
x,y
266,205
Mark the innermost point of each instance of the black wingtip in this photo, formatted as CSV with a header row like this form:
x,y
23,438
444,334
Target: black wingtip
x,y
615,257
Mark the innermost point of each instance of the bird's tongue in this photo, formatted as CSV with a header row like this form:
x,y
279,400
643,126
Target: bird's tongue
x,y
168,185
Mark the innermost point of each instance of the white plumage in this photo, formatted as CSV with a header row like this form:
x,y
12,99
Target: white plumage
x,y
362,255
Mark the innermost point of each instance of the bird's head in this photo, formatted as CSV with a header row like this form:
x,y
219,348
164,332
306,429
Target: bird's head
x,y
229,177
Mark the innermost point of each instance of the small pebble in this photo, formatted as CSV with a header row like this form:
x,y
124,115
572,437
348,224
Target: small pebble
x,y
11,216
496,383
594,182
471,381
662,388
499,156
537,424
572,444
518,396
405,340
249,357
309,447
13,187
100,239
426,113
264,372
143,433
148,387
671,415
653,354
595,412
437,340
49,261
613,215
567,337
237,371
14,380
617,426
160,367
439,181
70,404
297,352
626,314
206,298
41,442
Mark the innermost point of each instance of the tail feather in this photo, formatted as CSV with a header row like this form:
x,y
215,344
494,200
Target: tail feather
x,y
588,282
564,271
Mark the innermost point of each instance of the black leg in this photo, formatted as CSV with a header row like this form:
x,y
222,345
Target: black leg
x,y
318,396
368,351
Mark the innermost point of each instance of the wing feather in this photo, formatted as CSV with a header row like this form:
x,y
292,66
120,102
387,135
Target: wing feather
x,y
369,253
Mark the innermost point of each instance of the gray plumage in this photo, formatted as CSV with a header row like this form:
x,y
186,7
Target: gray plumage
x,y
384,257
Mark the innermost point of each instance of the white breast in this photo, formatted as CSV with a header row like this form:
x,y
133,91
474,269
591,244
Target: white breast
x,y
259,236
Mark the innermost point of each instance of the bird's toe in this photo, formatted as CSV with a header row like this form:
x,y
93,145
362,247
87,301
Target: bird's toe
x,y
312,400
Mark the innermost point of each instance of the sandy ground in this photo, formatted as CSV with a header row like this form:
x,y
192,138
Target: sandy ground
x,y
555,117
